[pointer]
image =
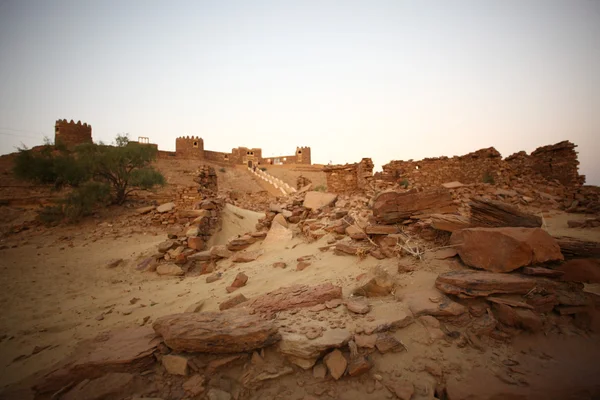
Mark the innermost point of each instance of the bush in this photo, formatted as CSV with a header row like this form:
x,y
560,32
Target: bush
x,y
488,178
81,202
404,182
263,169
222,169
321,188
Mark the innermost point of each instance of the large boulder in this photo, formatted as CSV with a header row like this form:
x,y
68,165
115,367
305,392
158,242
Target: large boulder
x,y
478,283
318,200
392,207
230,331
505,249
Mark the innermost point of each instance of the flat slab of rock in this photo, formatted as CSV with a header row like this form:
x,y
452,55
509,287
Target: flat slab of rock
x,y
110,386
479,283
169,270
432,302
296,296
382,230
304,352
230,331
387,316
493,213
452,185
240,243
449,222
163,208
246,256
144,210
505,249
582,270
317,200
118,351
277,236
391,207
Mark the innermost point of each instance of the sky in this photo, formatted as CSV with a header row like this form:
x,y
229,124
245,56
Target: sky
x,y
389,80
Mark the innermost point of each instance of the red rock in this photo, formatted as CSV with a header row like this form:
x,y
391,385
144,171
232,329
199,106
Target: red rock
x,y
505,249
110,386
232,302
279,264
196,243
230,331
302,265
194,386
358,306
386,343
239,281
382,229
246,256
476,283
585,270
355,233
367,341
540,271
336,363
175,364
296,296
376,283
359,366
391,207
345,248
318,200
449,222
240,243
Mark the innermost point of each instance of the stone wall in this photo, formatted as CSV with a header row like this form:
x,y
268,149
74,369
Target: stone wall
x,y
302,181
302,156
207,179
71,134
189,147
349,177
217,156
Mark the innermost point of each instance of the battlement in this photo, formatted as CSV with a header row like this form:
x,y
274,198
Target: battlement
x,y
189,147
70,133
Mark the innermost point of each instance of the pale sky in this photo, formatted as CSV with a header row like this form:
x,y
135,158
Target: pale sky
x,y
390,80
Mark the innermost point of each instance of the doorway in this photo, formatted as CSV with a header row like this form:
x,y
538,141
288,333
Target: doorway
x,y
249,164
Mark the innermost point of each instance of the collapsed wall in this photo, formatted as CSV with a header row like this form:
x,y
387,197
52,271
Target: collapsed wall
x,y
349,177
207,179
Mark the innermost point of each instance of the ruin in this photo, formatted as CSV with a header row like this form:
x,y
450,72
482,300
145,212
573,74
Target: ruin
x,y
349,177
71,134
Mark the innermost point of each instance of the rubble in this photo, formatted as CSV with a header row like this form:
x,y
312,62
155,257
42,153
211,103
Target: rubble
x,y
393,207
467,284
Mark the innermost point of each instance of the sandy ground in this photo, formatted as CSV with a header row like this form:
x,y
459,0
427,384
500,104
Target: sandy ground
x,y
289,174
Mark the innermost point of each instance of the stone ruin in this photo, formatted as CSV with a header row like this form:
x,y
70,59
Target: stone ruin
x,y
207,179
350,177
302,181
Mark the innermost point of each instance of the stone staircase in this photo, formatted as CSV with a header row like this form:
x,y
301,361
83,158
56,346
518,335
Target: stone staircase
x,y
277,183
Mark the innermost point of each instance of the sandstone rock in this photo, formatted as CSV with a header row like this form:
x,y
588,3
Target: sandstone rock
x,y
239,281
167,245
194,386
302,265
386,343
432,302
196,307
453,185
280,219
240,243
505,249
175,364
201,256
444,254
358,306
355,233
220,251
279,264
163,208
367,341
110,386
519,318
476,283
382,230
449,222
232,302
336,363
230,331
296,296
317,200
540,271
129,349
492,213
213,278
218,394
392,207
581,270
278,236
169,270
297,347
193,213
247,256
319,371
144,210
347,248
192,231
196,243
403,390
385,316
359,366
376,283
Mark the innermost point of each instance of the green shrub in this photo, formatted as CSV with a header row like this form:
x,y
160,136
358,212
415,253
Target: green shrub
x,y
51,215
321,188
263,169
222,169
404,182
81,201
488,178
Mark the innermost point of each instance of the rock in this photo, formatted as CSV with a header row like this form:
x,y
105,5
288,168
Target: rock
x,y
167,245
196,307
208,205
319,371
509,302
217,394
355,233
490,213
359,366
386,316
230,331
403,390
247,256
196,243
367,341
193,213
192,231
518,318
544,272
296,296
382,230
386,343
201,256
278,235
220,251
302,265
163,208
452,185
169,270
376,283
280,219
175,364
449,222
115,262
144,210
147,264
279,264
585,270
444,254
240,243
239,281
317,200
130,349
110,386
432,302
505,249
336,363
194,386
213,278
347,248
232,302
304,352
392,207
358,306
477,283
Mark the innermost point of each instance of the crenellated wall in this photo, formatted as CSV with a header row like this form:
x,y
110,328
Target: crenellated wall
x,y
189,147
72,134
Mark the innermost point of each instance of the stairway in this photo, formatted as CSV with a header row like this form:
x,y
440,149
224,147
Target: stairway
x,y
278,184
